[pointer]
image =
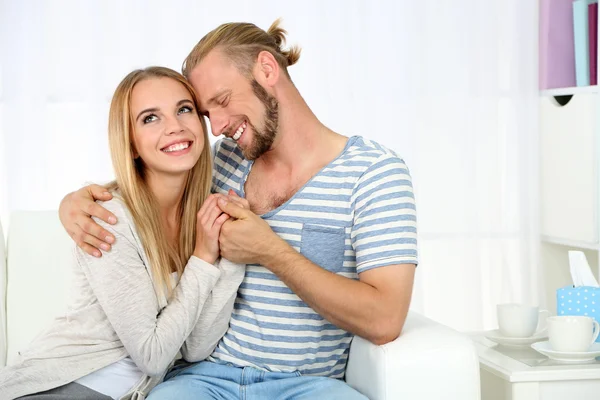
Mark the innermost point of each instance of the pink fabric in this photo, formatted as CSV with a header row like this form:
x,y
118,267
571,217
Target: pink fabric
x,y
593,41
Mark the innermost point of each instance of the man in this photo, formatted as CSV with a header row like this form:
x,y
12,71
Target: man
x,y
329,238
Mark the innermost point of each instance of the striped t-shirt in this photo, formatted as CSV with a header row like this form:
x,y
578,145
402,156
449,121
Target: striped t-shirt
x,y
356,214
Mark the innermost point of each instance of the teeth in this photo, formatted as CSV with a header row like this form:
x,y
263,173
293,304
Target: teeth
x,y
239,132
177,147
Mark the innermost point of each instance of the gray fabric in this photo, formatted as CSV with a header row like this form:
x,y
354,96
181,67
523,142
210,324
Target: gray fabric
x,y
72,391
115,311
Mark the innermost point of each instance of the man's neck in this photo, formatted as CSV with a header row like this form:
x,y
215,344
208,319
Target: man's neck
x,y
302,140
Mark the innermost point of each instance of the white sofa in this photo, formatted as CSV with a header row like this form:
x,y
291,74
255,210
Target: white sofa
x,y
428,361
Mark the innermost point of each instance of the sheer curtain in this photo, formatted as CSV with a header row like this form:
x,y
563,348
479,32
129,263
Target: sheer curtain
x,y
450,85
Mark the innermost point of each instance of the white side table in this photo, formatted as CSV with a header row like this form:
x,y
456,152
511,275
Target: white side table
x,y
521,373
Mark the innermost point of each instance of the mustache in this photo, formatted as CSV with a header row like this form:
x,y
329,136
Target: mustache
x,y
229,131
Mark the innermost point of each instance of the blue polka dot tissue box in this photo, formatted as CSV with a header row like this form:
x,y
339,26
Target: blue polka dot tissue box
x,y
580,300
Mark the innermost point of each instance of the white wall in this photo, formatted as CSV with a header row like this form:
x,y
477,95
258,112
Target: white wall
x,y
449,84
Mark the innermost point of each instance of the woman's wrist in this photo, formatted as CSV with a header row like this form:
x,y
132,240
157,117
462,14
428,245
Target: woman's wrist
x,y
205,257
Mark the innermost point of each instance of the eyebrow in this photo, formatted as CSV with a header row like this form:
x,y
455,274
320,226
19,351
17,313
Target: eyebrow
x,y
216,96
155,109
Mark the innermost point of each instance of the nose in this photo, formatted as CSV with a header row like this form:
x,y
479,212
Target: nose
x,y
218,123
173,126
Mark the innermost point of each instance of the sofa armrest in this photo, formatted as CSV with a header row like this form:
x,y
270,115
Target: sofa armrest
x,y
428,361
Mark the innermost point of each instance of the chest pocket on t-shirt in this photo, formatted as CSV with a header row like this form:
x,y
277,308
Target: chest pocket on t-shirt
x,y
324,246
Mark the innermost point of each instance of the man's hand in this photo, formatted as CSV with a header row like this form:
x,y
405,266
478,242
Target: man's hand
x,y
240,201
373,307
75,213
246,238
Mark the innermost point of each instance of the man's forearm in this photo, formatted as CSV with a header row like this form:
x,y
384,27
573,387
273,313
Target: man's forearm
x,y
354,306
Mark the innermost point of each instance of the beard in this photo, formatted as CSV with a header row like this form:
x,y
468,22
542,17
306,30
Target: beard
x,y
263,138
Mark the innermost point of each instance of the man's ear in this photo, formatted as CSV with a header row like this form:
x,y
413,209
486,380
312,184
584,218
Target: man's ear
x,y
266,69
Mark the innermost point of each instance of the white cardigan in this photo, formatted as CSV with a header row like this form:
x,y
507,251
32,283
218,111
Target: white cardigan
x,y
115,312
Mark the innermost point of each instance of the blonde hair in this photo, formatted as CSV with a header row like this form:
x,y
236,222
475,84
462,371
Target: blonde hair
x,y
163,256
242,42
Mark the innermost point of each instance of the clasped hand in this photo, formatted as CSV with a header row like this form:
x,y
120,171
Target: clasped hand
x,y
245,237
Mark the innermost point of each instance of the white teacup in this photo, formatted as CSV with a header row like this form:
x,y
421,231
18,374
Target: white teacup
x,y
520,320
572,333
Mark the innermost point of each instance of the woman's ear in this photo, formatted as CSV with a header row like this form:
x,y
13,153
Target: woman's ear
x,y
134,152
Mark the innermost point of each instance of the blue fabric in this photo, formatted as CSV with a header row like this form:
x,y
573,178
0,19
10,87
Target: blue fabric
x,y
581,300
356,214
208,380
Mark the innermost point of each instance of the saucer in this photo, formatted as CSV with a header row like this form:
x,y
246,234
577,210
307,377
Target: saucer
x,y
564,356
497,337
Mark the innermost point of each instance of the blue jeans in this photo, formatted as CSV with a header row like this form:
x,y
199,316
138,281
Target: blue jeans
x,y
209,380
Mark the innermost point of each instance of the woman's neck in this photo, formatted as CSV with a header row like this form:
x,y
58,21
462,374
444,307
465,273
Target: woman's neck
x,y
168,191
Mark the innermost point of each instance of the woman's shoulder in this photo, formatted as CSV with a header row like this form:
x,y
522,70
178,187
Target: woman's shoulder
x,y
117,206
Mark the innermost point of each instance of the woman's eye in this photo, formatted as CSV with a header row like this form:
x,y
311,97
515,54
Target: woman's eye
x,y
225,101
184,109
150,118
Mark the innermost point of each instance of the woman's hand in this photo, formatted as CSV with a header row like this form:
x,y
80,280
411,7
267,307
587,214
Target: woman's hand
x,y
209,221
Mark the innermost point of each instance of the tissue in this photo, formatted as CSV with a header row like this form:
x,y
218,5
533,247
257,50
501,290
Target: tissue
x,y
580,270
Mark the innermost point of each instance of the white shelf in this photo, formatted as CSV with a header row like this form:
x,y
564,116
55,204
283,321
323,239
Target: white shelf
x,y
569,91
570,243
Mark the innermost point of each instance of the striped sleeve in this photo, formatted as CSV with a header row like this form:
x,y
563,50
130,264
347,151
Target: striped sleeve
x,y
227,167
384,231
214,153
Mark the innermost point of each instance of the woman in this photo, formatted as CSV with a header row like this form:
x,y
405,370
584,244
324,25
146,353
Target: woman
x,y
161,288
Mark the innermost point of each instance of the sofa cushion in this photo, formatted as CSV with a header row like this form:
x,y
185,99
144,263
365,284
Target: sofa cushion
x,y
40,259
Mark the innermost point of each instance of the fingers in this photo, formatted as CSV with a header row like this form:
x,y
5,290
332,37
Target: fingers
x,y
96,210
87,243
93,244
207,206
220,221
211,211
222,233
92,251
89,227
242,202
98,192
212,216
75,211
210,202
231,208
239,201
